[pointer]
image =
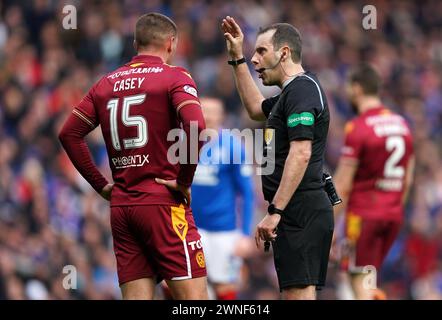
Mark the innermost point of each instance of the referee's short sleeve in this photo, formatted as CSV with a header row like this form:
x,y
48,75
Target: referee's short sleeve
x,y
302,106
268,104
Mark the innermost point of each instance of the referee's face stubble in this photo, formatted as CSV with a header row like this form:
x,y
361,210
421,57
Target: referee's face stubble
x,y
266,59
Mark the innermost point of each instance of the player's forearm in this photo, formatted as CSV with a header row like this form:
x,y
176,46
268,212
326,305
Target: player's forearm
x,y
343,189
343,178
408,180
294,170
340,208
406,194
249,93
72,138
191,115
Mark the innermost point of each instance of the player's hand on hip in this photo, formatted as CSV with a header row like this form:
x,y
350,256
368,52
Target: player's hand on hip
x,y
266,229
174,185
234,37
107,191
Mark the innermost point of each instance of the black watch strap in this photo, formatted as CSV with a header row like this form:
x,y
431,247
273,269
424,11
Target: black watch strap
x,y
236,62
272,210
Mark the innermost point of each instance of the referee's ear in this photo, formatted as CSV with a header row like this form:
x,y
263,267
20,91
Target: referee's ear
x,y
285,53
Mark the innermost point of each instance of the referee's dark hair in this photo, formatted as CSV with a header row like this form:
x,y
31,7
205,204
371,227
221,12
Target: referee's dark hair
x,y
286,34
367,77
152,29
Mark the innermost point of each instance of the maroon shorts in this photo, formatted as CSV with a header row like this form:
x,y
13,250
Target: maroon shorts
x,y
368,241
156,240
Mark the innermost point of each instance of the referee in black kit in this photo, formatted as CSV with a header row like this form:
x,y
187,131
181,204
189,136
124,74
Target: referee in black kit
x,y
300,214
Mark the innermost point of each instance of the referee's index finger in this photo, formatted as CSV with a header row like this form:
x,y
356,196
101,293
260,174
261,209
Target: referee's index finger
x,y
227,26
234,25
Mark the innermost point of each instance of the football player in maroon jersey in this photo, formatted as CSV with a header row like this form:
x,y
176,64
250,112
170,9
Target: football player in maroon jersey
x,y
136,106
373,177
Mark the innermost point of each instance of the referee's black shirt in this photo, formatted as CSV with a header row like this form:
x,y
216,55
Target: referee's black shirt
x,y
299,112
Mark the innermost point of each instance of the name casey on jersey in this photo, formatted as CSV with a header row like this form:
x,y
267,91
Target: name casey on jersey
x,y
128,84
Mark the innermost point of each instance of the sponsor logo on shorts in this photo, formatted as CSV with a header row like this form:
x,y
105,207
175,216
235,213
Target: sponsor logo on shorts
x,y
200,259
195,245
304,118
179,222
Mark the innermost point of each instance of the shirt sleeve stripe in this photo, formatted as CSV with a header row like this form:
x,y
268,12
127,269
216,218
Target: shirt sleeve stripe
x,y
319,90
83,117
184,103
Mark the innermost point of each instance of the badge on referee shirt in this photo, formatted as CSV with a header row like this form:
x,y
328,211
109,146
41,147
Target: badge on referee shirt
x,y
268,135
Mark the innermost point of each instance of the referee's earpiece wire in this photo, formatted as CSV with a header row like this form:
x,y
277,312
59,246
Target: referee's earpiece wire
x,y
285,73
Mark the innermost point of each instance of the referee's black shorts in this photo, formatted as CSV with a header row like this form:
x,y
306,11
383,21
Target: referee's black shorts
x,y
304,236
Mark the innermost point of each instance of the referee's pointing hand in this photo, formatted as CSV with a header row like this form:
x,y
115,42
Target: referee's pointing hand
x,y
266,229
234,37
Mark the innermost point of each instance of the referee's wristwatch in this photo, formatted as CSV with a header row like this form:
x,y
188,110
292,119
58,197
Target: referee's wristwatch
x,y
236,62
272,210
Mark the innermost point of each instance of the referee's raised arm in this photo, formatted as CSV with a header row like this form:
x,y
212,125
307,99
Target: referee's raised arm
x,y
249,93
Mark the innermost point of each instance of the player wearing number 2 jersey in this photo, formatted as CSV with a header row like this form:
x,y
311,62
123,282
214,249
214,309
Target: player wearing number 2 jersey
x,y
136,106
373,177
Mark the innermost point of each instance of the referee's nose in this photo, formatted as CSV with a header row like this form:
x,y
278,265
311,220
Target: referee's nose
x,y
255,60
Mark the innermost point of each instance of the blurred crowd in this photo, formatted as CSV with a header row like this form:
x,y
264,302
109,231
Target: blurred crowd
x,y
51,218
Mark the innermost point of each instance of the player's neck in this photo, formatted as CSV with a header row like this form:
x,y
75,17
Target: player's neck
x,y
368,103
156,53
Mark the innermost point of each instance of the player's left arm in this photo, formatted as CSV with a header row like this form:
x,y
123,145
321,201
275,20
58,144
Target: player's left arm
x,y
184,98
348,164
186,102
343,179
408,179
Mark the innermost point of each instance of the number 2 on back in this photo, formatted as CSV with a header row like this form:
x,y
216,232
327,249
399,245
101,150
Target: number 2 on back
x,y
396,144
